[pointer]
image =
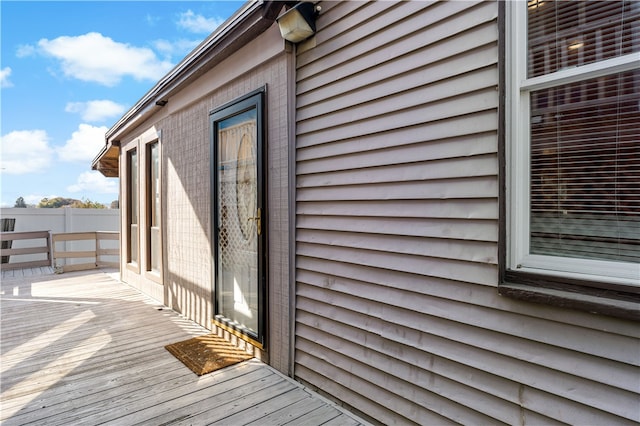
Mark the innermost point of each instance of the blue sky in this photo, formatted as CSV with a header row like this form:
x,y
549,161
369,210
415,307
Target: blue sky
x,y
69,70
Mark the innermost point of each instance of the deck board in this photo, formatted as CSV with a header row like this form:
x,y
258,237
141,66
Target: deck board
x,y
27,272
291,412
83,348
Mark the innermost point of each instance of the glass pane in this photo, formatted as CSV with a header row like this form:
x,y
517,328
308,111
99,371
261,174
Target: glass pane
x,y
153,230
154,182
585,169
566,34
237,228
133,243
133,206
154,249
133,187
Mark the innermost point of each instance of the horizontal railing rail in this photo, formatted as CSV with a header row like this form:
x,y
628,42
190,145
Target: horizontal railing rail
x,y
95,254
44,248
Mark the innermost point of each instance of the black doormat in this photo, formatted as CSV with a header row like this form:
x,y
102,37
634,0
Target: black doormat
x,y
204,354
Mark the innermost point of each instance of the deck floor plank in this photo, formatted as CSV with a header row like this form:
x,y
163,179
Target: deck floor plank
x,y
83,348
134,407
203,412
289,413
82,364
223,397
130,379
43,357
320,415
263,407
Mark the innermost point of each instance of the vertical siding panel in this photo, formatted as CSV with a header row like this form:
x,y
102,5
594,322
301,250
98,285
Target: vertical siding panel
x,y
397,313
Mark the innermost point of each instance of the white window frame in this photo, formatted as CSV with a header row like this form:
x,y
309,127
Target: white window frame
x,y
517,151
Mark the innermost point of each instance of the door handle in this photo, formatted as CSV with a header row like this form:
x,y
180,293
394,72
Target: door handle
x,y
258,219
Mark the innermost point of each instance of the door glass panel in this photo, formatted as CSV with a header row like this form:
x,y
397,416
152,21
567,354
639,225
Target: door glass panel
x,y
238,222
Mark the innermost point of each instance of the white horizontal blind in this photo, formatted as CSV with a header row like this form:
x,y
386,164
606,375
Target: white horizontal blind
x,y
565,34
585,135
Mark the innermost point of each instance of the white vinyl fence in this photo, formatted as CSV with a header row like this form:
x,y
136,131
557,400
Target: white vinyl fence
x,y
63,220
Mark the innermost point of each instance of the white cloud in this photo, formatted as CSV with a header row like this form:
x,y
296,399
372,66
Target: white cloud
x,y
152,20
198,23
97,110
25,50
25,151
96,58
84,145
94,183
176,48
4,77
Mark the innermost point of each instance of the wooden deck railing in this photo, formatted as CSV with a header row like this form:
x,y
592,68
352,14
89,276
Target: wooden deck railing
x,y
43,249
96,254
43,242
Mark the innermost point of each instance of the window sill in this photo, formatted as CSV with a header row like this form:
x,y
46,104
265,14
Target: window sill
x,y
615,303
155,276
134,267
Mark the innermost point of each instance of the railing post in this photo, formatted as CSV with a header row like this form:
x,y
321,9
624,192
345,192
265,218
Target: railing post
x,y
68,228
7,225
95,240
50,248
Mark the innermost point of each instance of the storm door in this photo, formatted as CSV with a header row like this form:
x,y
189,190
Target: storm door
x,y
239,217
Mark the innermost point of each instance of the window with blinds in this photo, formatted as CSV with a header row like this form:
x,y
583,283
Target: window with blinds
x,y
585,135
565,34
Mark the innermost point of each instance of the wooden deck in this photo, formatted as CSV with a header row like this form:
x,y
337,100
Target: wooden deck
x,y
26,273
84,349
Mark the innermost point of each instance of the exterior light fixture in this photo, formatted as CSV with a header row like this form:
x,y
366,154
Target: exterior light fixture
x,y
299,22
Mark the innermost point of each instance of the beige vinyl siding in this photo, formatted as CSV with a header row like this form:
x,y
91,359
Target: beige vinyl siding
x,y
397,311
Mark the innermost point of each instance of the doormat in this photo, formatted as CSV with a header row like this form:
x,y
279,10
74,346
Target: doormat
x,y
204,354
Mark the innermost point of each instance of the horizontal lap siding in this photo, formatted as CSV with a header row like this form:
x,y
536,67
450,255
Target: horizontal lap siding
x,y
397,313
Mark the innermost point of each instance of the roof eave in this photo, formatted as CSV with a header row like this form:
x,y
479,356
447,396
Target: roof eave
x,y
248,22
253,18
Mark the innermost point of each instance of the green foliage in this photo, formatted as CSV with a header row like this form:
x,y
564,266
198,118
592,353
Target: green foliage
x,y
115,204
55,203
87,204
20,203
58,202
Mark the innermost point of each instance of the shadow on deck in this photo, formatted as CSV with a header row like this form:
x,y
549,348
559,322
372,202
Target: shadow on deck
x,y
84,348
